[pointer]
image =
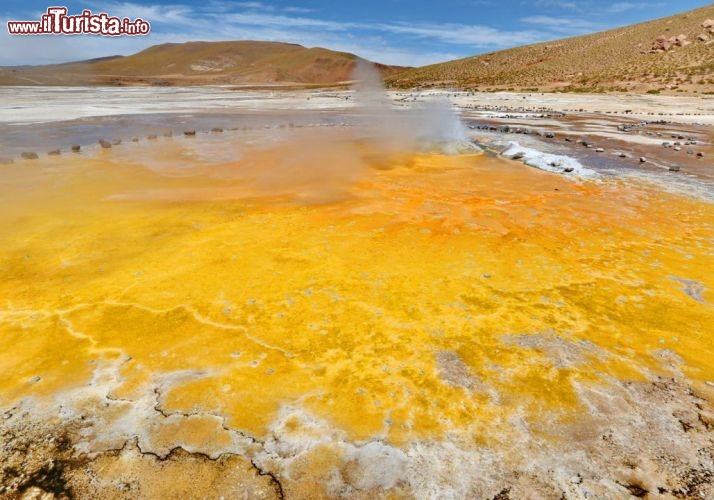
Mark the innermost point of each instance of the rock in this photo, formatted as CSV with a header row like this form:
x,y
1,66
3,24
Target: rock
x,y
568,169
116,142
54,152
76,147
643,159
677,148
549,135
599,150
518,156
105,144
189,133
568,139
700,155
29,155
134,139
623,155
674,168
702,37
151,137
709,23
690,151
217,129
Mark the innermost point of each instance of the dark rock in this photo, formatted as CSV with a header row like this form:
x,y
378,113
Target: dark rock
x,y
217,129
29,155
76,147
189,133
568,169
549,135
674,168
643,159
105,144
700,155
54,152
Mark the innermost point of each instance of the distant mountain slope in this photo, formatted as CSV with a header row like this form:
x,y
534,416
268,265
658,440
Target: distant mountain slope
x,y
198,63
675,52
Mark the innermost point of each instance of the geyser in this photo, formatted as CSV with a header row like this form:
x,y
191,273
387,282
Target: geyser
x,y
429,126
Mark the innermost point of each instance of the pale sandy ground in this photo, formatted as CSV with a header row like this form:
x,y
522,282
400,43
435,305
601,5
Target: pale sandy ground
x,y
43,104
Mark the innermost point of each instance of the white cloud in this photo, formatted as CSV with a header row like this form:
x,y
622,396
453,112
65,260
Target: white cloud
x,y
154,14
255,6
561,4
298,10
563,25
477,36
619,7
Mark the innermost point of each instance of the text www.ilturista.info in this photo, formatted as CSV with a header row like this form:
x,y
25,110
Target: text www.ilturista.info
x,y
57,22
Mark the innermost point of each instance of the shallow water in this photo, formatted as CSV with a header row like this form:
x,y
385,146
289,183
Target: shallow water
x,y
339,305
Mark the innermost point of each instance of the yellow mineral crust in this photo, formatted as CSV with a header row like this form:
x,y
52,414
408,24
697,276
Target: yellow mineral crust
x,y
430,295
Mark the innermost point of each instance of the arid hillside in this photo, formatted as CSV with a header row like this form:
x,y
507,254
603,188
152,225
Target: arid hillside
x,y
673,54
199,63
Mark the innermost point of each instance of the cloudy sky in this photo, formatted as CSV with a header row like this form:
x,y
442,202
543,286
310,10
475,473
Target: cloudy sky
x,y
406,32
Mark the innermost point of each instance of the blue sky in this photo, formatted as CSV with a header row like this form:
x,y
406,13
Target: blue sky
x,y
406,32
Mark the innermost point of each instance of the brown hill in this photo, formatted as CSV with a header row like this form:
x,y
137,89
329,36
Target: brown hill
x,y
670,54
199,63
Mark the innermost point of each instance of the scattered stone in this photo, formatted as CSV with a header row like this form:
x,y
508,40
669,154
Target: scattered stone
x,y
189,132
709,23
217,129
151,137
567,170
549,135
623,155
677,148
105,144
29,155
76,147
700,155
116,142
599,150
674,168
54,152
690,151
702,37
643,159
